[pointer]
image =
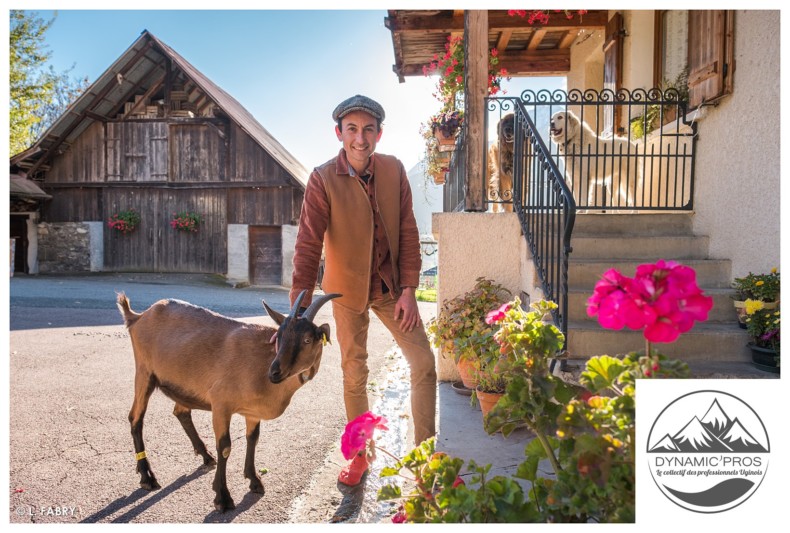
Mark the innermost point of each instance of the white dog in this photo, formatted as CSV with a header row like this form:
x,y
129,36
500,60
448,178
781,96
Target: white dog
x,y
592,162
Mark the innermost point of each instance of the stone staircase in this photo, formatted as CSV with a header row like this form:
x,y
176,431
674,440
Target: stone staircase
x,y
715,348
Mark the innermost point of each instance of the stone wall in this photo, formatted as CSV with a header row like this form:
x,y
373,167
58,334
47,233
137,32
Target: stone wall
x,y
64,247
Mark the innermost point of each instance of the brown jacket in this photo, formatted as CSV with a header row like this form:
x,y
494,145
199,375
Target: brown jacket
x,y
337,214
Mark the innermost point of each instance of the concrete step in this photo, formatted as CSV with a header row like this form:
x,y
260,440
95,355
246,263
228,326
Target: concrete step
x,y
585,273
699,370
723,310
678,247
644,224
705,342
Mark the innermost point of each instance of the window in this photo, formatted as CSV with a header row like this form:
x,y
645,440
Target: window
x,y
701,40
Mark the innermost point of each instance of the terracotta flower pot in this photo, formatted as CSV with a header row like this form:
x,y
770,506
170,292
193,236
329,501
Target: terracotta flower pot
x,y
488,400
467,371
442,138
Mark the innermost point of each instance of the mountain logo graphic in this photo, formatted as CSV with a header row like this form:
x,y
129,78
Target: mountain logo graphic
x,y
708,451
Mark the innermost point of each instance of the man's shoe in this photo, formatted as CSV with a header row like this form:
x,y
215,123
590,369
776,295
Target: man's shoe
x,y
352,473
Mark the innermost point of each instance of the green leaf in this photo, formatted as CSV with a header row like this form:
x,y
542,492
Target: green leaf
x,y
389,492
388,471
528,469
602,372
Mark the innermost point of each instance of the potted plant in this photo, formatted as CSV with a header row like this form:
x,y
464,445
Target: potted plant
x,y
491,377
460,328
763,327
186,221
444,126
437,163
756,287
125,221
656,115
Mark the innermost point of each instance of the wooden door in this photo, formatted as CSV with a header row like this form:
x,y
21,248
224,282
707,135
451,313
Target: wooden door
x,y
266,258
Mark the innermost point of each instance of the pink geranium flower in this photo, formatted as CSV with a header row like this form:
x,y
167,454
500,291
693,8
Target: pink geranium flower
x,y
358,432
663,298
498,314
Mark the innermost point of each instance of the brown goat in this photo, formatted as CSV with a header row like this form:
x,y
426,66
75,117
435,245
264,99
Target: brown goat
x,y
203,360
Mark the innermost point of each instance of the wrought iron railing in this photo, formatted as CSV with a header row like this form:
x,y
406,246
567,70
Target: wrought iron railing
x,y
646,166
545,208
455,186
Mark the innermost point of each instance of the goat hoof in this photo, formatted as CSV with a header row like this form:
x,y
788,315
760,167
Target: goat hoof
x,y
256,486
224,502
150,485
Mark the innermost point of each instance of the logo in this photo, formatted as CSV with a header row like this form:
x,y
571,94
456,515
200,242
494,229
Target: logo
x,y
708,451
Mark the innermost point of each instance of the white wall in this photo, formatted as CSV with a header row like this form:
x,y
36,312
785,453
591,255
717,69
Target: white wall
x,y
288,247
238,253
96,231
737,200
638,49
472,245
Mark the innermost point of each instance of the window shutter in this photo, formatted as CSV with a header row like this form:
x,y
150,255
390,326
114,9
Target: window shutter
x,y
710,55
613,70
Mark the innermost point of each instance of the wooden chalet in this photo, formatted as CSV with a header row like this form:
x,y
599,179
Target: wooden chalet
x,y
155,135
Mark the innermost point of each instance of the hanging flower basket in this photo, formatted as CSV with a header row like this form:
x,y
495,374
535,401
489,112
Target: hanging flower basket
x,y
125,221
186,221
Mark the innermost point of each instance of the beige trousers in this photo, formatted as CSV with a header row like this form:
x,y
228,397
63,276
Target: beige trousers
x,y
352,336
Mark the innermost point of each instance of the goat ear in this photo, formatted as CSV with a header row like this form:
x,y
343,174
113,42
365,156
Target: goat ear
x,y
277,317
324,332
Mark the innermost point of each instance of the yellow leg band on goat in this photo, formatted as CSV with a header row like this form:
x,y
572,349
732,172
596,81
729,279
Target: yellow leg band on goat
x,y
140,456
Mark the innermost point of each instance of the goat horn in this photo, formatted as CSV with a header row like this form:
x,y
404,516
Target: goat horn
x,y
316,305
297,303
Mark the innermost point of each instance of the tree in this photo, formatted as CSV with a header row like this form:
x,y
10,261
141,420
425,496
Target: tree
x,y
38,95
65,90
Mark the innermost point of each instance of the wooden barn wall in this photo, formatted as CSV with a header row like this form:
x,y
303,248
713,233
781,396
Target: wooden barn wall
x,y
155,246
82,161
197,153
263,206
250,162
137,151
76,204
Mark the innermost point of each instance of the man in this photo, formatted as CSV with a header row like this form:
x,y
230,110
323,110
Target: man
x,y
358,206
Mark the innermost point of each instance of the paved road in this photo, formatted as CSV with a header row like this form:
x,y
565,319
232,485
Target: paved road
x,y
71,387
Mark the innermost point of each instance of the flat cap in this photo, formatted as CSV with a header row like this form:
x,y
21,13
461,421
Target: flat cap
x,y
358,103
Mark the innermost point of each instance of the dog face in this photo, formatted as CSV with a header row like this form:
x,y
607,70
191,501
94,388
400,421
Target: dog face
x,y
506,129
564,126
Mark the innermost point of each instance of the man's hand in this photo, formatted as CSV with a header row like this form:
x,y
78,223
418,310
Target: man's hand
x,y
407,306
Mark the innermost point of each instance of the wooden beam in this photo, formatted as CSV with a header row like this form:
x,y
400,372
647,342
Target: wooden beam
x,y
146,96
568,39
96,116
497,21
536,38
475,91
128,94
504,39
550,62
525,62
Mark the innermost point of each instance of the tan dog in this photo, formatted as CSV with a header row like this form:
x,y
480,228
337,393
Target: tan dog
x,y
592,162
500,165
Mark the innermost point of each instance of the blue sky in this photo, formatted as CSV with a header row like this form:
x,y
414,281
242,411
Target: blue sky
x,y
288,68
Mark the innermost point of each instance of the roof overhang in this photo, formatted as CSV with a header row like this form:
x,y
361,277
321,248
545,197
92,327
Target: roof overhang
x,y
524,49
22,187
